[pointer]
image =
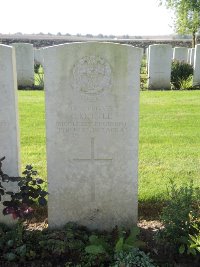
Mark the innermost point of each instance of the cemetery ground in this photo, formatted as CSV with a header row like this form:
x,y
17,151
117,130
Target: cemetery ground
x,y
169,139
169,149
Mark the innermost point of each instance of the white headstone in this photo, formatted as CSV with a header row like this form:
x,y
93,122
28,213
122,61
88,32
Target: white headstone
x,y
159,66
192,56
9,137
92,98
147,59
38,56
25,64
196,75
180,54
188,55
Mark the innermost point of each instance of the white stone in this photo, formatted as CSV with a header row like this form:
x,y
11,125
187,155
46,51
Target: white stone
x,y
192,56
188,55
147,59
92,99
196,75
25,63
180,54
38,56
159,66
9,132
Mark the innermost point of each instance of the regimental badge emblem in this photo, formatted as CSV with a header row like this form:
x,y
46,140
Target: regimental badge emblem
x,y
92,75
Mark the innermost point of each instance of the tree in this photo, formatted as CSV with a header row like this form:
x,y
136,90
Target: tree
x,y
187,16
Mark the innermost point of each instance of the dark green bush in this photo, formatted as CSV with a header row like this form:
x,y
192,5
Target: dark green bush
x,y
36,67
179,216
180,72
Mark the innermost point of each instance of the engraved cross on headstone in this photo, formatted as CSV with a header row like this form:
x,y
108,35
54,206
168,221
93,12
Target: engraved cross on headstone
x,y
93,159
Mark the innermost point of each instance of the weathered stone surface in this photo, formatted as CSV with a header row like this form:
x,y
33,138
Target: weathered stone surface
x,y
38,56
196,75
92,98
191,61
9,136
24,63
180,54
159,67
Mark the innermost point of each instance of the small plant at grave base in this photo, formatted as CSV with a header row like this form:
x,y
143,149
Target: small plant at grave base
x,y
135,257
98,251
194,241
127,252
179,217
180,73
21,200
187,84
128,241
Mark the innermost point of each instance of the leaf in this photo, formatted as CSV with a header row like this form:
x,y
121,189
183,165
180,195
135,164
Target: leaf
x,y
29,167
119,245
182,249
15,179
42,201
95,249
43,193
10,243
8,203
21,250
9,193
132,239
1,192
39,181
5,178
10,256
93,239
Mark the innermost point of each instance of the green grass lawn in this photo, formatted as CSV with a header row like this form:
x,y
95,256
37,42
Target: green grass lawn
x,y
169,144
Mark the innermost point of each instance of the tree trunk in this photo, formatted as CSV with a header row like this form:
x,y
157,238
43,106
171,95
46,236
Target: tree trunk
x,y
193,39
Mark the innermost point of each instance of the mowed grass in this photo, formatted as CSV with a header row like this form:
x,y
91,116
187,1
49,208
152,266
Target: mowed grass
x,y
32,130
169,143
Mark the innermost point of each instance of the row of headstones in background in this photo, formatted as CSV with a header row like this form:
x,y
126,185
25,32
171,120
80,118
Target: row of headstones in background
x,y
92,99
158,79
9,130
159,59
181,54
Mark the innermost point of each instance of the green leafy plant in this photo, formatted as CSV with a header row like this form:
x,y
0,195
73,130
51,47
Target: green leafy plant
x,y
191,245
194,240
186,84
22,200
179,216
39,76
134,257
180,73
36,67
98,250
11,244
128,241
97,245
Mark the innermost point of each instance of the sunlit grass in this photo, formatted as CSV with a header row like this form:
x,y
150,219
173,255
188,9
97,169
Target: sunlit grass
x,y
169,143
